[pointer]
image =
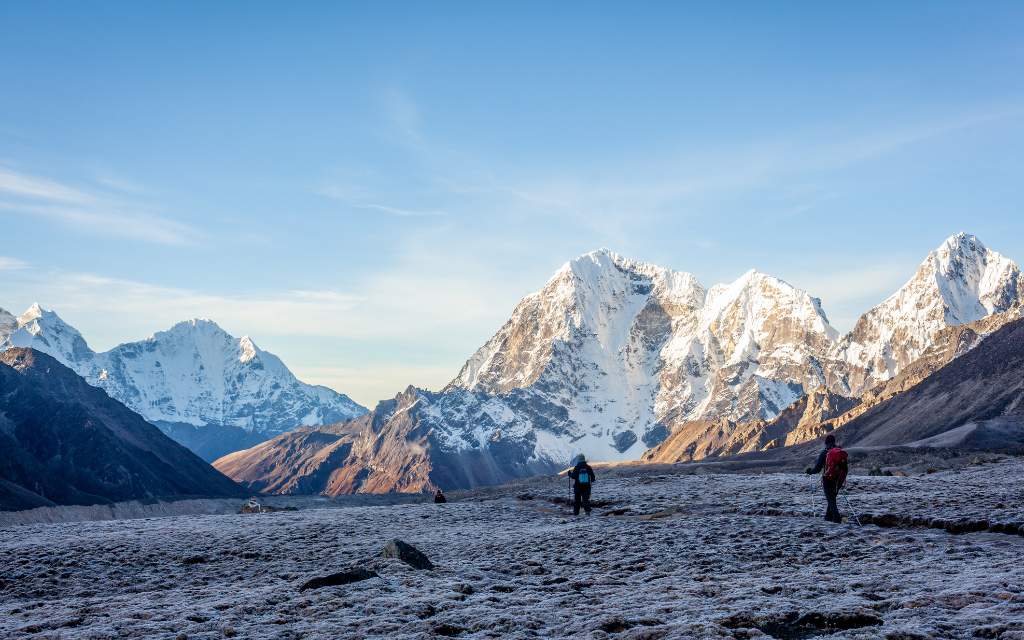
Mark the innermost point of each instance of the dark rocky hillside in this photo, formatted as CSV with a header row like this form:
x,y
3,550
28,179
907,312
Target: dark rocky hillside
x,y
66,442
983,387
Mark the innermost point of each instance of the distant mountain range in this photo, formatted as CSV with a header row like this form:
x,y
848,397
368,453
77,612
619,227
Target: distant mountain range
x,y
206,389
66,442
612,357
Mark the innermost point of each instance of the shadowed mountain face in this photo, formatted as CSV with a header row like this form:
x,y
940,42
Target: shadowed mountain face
x,y
66,442
983,386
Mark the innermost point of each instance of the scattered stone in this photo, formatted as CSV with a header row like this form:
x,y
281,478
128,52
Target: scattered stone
x,y
448,631
796,626
348,576
407,553
616,624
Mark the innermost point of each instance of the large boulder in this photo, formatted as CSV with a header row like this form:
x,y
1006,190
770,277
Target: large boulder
x,y
354,574
407,553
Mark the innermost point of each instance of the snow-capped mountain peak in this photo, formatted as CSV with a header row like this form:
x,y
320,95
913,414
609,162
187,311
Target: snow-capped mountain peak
x,y
249,349
974,281
45,331
616,346
960,281
194,373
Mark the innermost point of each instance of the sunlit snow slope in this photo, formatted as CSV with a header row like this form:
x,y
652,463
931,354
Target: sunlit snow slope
x,y
193,380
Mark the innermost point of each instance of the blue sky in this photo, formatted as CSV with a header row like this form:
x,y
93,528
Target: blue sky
x,y
368,190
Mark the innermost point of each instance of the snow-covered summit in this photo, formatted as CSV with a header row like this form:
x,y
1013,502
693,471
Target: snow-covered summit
x,y
45,331
613,350
612,353
194,373
960,281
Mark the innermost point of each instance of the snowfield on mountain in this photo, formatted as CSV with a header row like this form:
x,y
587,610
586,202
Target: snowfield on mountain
x,y
210,391
670,552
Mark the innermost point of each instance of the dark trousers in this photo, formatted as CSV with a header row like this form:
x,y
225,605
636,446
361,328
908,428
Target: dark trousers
x,y
581,495
831,488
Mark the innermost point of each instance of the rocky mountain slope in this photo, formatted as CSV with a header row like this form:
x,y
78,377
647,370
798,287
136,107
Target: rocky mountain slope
x,y
66,442
618,351
984,384
960,282
821,412
404,445
208,390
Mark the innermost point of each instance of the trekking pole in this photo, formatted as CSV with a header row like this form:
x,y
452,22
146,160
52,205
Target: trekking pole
x,y
852,510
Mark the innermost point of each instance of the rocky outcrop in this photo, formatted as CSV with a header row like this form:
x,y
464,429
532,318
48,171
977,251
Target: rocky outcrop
x,y
66,442
699,440
405,552
348,576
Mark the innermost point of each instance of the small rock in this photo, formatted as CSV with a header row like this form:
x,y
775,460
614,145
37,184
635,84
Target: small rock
x,y
447,630
615,624
407,553
342,577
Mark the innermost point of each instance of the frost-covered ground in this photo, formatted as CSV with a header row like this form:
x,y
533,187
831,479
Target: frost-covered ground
x,y
666,556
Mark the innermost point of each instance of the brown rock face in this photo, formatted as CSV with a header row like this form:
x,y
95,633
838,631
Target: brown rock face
x,y
400,446
699,440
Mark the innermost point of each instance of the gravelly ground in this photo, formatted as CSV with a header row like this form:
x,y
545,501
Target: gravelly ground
x,y
667,556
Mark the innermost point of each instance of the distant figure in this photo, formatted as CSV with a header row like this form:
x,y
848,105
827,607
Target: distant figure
x,y
835,464
439,497
582,480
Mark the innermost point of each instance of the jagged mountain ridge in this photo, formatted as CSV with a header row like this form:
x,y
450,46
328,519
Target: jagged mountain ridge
x,y
739,353
959,282
620,350
210,391
66,442
974,399
821,411
613,355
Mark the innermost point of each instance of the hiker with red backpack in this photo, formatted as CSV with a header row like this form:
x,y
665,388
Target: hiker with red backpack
x,y
833,464
582,481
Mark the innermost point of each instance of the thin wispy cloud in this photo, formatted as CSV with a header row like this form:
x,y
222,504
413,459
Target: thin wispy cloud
x,y
353,197
405,213
12,264
89,212
19,184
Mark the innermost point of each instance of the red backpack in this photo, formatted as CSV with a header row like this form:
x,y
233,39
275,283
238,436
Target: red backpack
x,y
836,466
